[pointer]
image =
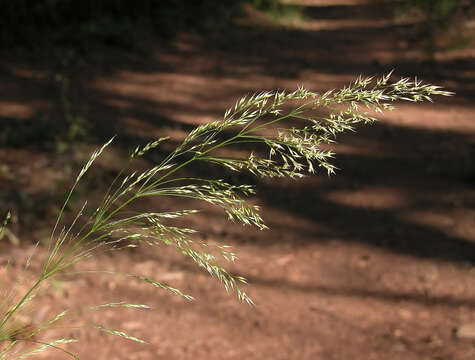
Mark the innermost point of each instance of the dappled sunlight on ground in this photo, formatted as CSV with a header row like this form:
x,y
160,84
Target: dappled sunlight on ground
x,y
382,198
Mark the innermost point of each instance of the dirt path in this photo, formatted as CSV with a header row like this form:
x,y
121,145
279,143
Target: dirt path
x,y
374,263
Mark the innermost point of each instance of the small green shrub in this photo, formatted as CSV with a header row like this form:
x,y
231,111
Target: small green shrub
x,y
259,119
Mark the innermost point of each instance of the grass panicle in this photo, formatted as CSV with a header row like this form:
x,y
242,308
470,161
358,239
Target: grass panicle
x,y
260,120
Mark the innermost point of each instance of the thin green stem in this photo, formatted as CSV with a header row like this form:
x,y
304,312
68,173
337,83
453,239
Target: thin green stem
x,y
21,302
289,115
50,243
136,196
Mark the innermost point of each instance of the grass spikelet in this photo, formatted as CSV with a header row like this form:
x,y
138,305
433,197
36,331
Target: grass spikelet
x,y
54,345
121,334
121,304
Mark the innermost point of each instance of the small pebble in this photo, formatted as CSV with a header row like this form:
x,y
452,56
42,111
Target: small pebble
x,y
466,331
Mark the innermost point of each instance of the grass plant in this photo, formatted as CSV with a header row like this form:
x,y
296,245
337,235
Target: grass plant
x,y
260,120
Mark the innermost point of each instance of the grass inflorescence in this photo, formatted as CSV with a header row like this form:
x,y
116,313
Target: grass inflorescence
x,y
260,119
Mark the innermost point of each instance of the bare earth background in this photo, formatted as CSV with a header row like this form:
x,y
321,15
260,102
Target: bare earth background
x,y
376,262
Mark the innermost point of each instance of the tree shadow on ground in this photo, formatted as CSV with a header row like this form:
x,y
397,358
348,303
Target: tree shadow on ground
x,y
430,174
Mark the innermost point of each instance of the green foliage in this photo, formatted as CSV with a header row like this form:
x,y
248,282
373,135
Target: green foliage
x,y
276,9
260,119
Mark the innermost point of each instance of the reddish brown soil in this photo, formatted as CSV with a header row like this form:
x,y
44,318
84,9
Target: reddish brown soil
x,y
376,262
